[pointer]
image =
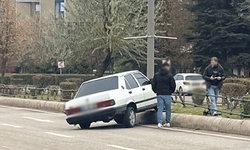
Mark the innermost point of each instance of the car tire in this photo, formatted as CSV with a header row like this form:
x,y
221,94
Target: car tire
x,y
85,125
119,119
129,117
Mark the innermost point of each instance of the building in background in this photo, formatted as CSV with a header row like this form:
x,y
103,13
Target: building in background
x,y
41,10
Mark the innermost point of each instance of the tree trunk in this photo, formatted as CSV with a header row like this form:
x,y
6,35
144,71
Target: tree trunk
x,y
3,69
103,65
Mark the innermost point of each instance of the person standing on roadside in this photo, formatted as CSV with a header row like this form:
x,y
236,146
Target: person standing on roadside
x,y
214,76
163,85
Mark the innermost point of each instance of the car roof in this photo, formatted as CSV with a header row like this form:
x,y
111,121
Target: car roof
x,y
189,74
113,75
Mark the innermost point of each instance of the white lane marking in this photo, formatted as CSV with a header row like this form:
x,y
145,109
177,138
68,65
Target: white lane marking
x,y
30,109
39,120
7,147
202,133
120,147
61,135
10,125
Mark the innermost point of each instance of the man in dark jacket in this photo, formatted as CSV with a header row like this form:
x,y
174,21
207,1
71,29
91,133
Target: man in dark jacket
x,y
164,85
214,76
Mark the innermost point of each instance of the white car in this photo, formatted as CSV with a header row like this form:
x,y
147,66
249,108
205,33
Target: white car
x,y
117,97
187,82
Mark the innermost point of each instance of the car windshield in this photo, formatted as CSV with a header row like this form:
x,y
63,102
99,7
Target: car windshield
x,y
97,86
198,77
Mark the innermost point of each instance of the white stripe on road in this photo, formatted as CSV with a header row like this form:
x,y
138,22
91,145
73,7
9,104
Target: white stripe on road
x,y
120,147
61,135
10,125
39,120
201,133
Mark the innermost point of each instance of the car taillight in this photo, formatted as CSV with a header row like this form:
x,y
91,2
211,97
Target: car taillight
x,y
106,103
186,83
73,111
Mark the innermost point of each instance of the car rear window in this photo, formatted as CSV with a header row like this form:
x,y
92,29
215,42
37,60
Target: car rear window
x,y
97,86
194,78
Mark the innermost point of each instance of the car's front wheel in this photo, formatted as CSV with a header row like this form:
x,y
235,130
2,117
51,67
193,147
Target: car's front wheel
x,y
129,117
85,125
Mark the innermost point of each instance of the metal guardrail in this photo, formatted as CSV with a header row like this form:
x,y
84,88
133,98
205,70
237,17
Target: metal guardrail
x,y
231,101
55,94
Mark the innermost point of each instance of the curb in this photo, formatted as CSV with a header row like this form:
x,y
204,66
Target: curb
x,y
34,104
208,123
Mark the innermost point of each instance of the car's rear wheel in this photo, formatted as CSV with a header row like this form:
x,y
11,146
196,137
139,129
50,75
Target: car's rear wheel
x,y
119,119
85,125
129,118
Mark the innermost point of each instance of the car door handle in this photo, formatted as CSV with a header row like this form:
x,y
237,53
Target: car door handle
x,y
130,92
143,89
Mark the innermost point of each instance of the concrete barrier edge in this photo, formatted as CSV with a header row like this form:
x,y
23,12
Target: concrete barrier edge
x,y
208,123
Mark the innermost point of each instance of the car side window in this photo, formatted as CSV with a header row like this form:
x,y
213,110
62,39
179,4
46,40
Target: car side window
x,y
131,82
140,78
127,85
180,77
175,77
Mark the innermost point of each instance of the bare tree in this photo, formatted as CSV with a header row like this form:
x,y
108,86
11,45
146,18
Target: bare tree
x,y
102,25
12,34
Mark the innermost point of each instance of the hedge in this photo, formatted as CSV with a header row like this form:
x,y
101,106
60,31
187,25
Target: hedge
x,y
233,90
42,81
17,81
6,80
68,90
56,78
244,81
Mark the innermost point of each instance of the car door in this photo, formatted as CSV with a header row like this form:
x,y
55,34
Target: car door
x,y
134,90
149,95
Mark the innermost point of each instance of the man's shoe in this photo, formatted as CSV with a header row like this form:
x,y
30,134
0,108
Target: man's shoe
x,y
215,114
159,125
166,125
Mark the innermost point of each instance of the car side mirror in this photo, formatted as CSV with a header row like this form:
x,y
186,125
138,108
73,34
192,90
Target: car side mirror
x,y
147,82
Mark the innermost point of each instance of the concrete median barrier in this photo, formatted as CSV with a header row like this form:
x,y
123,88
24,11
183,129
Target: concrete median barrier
x,y
209,123
34,104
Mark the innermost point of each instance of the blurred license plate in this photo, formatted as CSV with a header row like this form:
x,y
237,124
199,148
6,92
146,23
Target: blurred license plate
x,y
196,84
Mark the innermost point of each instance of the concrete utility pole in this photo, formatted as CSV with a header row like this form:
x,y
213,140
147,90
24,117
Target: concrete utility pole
x,y
151,39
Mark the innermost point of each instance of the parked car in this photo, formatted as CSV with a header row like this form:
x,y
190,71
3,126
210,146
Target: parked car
x,y
187,82
119,97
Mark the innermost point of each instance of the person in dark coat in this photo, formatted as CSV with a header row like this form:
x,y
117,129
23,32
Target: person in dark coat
x,y
163,85
214,76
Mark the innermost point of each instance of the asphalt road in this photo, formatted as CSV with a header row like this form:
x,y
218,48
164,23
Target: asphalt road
x,y
26,129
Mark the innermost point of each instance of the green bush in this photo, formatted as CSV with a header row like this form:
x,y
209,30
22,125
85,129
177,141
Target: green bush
x,y
198,99
68,90
62,78
246,105
6,79
239,81
78,81
16,81
233,90
27,78
42,81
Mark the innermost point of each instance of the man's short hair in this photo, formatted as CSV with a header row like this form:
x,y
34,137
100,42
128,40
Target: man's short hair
x,y
214,59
